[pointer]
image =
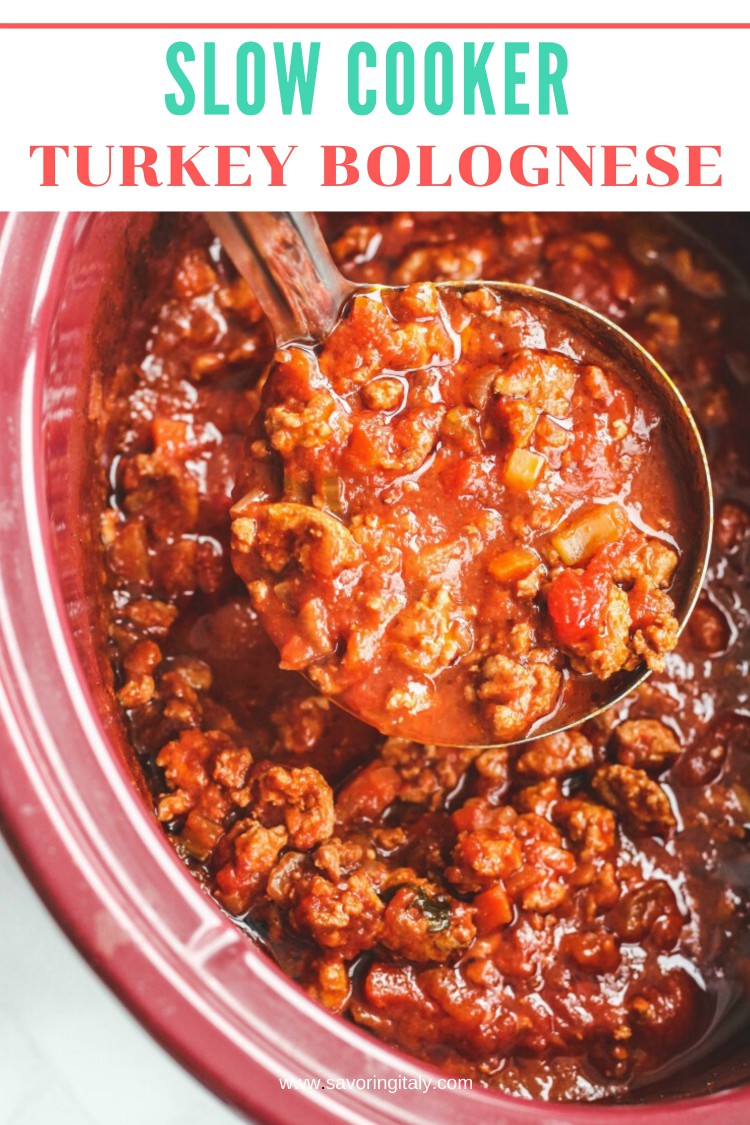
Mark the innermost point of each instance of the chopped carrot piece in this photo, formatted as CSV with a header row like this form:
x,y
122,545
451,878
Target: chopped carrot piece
x,y
513,564
493,909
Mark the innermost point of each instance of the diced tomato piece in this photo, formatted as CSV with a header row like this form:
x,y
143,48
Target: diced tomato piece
x,y
576,602
493,909
471,815
391,986
367,444
577,599
368,794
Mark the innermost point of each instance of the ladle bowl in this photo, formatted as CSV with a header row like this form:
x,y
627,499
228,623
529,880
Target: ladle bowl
x,y
285,259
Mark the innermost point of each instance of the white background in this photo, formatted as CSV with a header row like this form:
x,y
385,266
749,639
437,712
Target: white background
x,y
70,1054
631,87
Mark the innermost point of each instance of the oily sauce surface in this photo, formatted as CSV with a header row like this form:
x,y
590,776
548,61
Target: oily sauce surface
x,y
460,515
566,920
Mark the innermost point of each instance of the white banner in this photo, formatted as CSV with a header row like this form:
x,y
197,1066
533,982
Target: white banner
x,y
471,115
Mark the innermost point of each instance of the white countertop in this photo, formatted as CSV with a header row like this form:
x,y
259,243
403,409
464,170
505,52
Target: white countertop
x,y
70,1053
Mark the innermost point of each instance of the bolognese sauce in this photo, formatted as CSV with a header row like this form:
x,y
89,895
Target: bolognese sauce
x,y
565,919
458,514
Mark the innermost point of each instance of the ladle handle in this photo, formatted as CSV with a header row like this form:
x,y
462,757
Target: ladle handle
x,y
284,258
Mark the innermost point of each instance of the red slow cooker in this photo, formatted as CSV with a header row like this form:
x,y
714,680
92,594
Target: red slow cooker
x,y
68,800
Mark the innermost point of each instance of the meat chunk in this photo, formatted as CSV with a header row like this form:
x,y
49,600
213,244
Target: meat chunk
x,y
302,722
641,802
649,911
556,756
517,418
652,560
515,694
430,634
330,985
545,379
646,744
610,650
484,856
386,393
300,799
154,617
379,341
194,275
421,923
523,853
462,426
250,851
401,445
708,627
596,952
308,424
732,525
451,261
655,626
591,828
282,533
540,798
346,916
332,897
198,776
138,691
426,774
493,767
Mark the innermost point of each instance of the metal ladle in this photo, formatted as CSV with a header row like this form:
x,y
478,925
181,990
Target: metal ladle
x,y
284,258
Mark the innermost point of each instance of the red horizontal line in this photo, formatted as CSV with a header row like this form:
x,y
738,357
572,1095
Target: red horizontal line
x,y
372,26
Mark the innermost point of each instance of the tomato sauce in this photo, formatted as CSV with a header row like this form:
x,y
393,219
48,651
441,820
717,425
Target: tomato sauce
x,y
426,521
566,919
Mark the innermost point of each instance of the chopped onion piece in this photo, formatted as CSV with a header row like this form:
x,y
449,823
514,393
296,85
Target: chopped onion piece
x,y
330,490
524,469
586,534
